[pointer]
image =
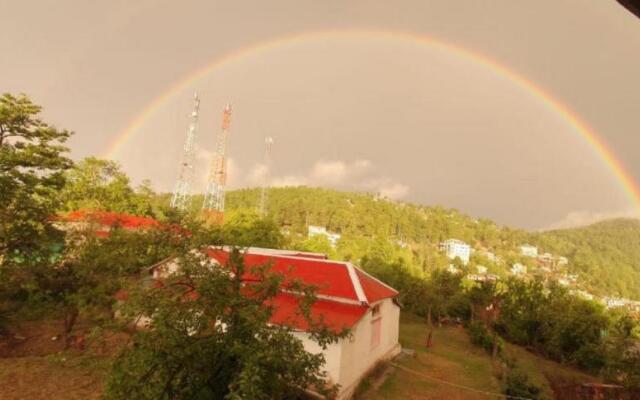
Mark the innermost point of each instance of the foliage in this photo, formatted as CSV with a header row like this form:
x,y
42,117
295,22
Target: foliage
x,y
209,337
102,185
605,255
32,165
480,336
517,384
243,227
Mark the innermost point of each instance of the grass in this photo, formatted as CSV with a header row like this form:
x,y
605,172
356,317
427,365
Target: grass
x,y
69,376
452,358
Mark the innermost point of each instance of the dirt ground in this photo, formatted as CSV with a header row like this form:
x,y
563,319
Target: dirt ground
x,y
35,365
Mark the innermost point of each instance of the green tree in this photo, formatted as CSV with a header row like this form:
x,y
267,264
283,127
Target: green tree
x,y
210,338
102,185
32,166
245,228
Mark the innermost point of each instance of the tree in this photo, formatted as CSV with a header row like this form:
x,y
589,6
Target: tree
x,y
102,185
245,228
209,337
32,165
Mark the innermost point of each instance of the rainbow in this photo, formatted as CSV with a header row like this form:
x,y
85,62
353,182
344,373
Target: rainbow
x,y
581,128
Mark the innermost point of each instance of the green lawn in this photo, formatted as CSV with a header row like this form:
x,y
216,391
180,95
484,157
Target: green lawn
x,y
455,360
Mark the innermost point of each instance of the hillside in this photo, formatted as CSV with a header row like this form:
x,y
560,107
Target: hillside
x,y
604,256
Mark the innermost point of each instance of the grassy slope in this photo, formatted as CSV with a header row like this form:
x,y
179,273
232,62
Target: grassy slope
x,y
454,359
75,375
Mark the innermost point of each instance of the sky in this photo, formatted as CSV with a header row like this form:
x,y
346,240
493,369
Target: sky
x,y
349,109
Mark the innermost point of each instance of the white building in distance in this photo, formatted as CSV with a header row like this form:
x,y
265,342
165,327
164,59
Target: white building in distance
x,y
456,248
528,250
314,230
481,269
518,269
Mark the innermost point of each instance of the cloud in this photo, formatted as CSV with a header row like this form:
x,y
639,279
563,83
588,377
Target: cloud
x,y
395,191
351,175
336,172
576,219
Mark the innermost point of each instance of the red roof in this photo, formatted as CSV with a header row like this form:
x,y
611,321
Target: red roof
x,y
336,316
110,218
345,292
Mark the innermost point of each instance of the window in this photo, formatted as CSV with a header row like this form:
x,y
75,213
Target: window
x,y
375,311
376,329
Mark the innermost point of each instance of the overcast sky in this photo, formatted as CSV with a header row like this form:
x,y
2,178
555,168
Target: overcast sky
x,y
357,112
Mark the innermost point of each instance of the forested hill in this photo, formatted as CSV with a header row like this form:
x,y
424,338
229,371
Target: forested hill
x,y
605,256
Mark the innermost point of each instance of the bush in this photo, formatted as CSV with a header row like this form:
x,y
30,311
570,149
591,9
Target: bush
x,y
480,336
517,384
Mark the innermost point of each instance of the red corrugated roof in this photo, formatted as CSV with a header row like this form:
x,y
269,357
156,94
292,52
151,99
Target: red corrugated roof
x,y
110,218
335,316
331,278
342,308
374,289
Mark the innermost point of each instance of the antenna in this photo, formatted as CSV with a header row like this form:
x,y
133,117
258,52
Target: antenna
x,y
264,194
214,196
181,198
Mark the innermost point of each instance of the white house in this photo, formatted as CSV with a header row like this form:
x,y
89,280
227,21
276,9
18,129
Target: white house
x,y
518,269
333,237
529,250
347,298
456,248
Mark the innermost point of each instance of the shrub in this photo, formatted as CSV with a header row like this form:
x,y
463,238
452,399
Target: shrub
x,y
517,384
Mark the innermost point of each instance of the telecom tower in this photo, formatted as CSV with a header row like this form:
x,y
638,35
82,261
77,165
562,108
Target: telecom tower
x,y
264,194
214,197
182,194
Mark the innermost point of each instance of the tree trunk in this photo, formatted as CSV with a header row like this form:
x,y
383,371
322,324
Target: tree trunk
x,y
70,318
430,325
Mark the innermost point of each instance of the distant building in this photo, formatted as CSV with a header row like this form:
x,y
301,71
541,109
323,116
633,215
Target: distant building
x,y
518,269
481,269
582,294
483,277
546,258
562,261
456,248
320,230
528,250
452,269
490,256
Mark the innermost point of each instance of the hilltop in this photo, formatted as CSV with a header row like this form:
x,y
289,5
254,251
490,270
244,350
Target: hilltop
x,y
604,256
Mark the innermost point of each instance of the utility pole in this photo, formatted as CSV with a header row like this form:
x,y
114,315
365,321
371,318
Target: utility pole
x,y
214,197
181,198
264,193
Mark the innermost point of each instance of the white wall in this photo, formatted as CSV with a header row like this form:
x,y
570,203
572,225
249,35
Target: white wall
x,y
351,358
332,355
357,355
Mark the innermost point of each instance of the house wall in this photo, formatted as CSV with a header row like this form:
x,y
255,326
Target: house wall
x,y
358,357
332,354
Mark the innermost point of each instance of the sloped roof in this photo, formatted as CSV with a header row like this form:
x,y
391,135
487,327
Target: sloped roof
x,y
109,218
334,315
336,280
344,295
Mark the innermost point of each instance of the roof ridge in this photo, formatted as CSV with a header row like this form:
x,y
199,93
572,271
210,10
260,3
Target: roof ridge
x,y
375,279
355,281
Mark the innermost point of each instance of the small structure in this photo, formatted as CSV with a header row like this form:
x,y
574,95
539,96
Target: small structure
x,y
102,222
518,269
456,248
333,238
481,269
562,261
528,250
347,297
